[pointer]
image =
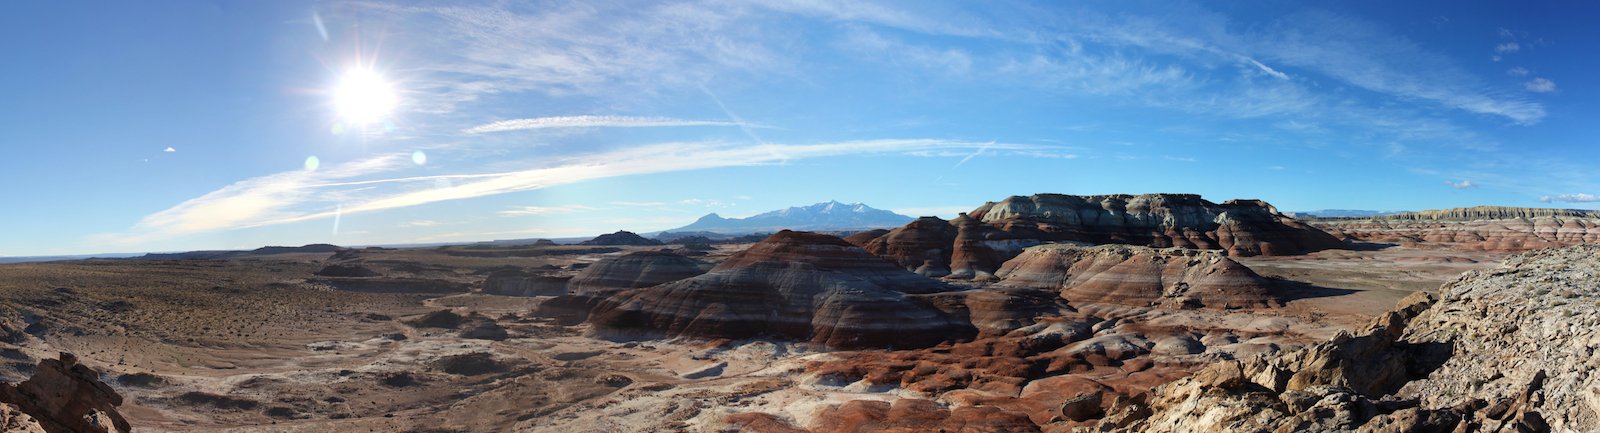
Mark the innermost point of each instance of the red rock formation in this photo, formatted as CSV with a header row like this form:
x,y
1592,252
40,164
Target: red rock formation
x,y
795,285
1172,277
63,396
923,246
917,415
993,233
1483,228
862,238
979,249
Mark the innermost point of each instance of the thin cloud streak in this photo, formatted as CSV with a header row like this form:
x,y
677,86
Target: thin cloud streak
x,y
546,210
293,196
595,122
1571,198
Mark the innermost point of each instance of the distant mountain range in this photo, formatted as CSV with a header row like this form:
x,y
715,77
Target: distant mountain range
x,y
1343,213
827,216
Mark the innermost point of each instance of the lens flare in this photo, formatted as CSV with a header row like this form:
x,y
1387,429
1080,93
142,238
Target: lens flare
x,y
363,97
312,163
419,158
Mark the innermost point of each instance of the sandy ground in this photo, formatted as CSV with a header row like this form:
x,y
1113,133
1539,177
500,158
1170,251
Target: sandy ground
x,y
1368,280
263,344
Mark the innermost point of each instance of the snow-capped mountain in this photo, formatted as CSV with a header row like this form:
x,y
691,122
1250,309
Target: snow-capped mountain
x,y
831,215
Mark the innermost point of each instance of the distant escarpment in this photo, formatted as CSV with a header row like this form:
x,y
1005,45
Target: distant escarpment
x,y
1168,277
1490,213
975,244
623,237
1502,350
1482,228
793,285
226,254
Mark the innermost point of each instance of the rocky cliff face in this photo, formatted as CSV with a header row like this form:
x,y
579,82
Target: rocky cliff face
x,y
1509,349
793,285
1483,228
1168,277
62,396
976,243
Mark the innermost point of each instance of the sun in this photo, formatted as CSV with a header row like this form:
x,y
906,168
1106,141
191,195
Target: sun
x,y
363,97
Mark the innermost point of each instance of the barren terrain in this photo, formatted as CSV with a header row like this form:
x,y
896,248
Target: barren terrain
x,y
264,343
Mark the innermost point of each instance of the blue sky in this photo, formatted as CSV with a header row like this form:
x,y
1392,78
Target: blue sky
x,y
131,126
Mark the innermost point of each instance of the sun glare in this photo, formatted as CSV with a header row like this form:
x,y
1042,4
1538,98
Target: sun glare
x,y
364,97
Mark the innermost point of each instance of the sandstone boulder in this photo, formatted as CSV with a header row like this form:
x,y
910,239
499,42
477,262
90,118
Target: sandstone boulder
x,y
62,396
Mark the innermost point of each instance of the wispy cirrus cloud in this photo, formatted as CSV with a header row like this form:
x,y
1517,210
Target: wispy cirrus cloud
x,y
594,122
1571,198
1540,85
546,210
1367,56
593,49
360,187
259,200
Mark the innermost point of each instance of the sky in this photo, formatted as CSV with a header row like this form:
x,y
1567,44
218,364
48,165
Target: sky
x,y
168,126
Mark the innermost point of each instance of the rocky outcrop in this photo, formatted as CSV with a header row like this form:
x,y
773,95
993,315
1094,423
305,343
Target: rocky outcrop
x,y
793,285
62,396
1509,349
1240,227
1483,228
981,240
1168,277
923,246
615,274
862,238
621,238
518,282
13,420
